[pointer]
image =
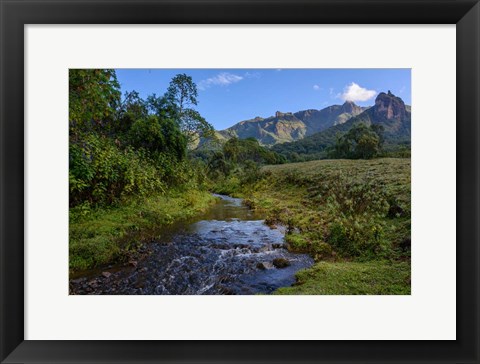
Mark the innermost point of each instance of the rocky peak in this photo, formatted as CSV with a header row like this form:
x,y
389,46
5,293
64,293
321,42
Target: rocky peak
x,y
350,107
388,106
280,114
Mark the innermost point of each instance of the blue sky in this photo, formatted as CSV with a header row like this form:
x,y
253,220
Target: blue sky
x,y
227,96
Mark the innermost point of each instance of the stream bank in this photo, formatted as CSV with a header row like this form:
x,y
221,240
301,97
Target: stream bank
x,y
225,250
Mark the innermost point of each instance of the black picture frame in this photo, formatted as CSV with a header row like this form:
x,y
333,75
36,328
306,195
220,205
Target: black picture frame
x,y
16,13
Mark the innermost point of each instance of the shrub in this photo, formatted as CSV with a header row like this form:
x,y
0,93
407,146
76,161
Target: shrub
x,y
356,237
351,197
100,172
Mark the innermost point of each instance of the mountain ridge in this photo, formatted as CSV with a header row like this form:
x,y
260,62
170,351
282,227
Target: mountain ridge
x,y
287,126
389,111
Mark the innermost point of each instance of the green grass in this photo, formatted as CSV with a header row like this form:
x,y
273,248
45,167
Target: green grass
x,y
351,216
352,278
361,208
109,235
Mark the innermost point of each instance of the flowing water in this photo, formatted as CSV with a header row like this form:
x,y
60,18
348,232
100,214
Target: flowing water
x,y
227,250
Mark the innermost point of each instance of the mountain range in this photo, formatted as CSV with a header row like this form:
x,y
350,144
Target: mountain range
x,y
389,111
312,131
287,127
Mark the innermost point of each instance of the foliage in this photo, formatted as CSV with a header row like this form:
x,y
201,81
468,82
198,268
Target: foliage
x,y
133,146
240,157
358,237
100,172
241,150
94,97
131,109
360,142
181,96
158,135
182,92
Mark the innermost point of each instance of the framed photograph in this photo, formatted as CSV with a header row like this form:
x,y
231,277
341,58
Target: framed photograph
x,y
239,181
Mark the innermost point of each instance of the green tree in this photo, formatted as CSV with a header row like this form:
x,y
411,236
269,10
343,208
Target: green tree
x,y
94,97
242,156
132,146
158,136
182,92
367,146
219,165
161,106
181,97
360,142
132,108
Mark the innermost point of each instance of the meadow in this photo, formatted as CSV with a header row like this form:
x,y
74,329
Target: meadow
x,y
352,216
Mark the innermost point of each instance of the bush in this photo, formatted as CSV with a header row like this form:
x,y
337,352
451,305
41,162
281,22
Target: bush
x,y
228,185
355,237
250,173
100,172
351,197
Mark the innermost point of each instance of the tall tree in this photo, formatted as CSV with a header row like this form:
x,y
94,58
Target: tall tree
x,y
182,92
182,96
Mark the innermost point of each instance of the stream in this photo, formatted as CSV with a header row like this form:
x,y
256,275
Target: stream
x,y
226,250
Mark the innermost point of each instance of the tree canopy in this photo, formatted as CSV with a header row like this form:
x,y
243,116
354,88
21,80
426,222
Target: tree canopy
x,y
120,146
360,142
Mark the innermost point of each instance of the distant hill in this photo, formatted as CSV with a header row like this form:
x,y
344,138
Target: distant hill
x,y
288,127
389,111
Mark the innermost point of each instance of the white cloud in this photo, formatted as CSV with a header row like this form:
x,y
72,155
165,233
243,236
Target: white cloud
x,y
354,92
316,87
222,79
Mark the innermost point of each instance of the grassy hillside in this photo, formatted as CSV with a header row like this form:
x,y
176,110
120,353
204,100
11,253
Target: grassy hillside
x,y
352,216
